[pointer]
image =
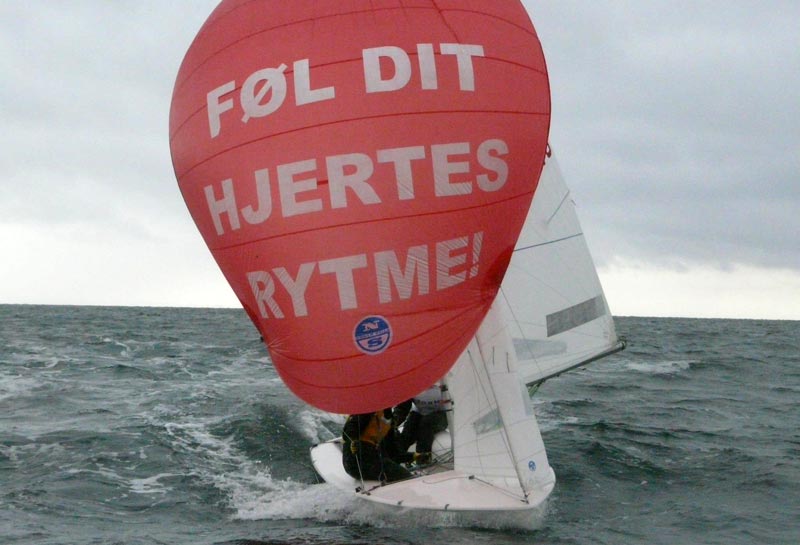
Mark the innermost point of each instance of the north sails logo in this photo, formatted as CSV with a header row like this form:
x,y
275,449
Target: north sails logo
x,y
372,335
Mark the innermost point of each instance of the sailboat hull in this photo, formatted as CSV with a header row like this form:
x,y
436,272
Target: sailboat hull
x,y
439,490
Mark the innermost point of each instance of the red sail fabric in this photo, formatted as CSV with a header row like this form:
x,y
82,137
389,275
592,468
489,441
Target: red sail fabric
x,y
360,171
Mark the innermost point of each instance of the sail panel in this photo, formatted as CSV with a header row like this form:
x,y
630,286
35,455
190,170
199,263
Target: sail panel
x,y
479,445
346,162
551,295
576,315
496,436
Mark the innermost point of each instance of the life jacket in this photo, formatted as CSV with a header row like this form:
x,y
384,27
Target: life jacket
x,y
377,428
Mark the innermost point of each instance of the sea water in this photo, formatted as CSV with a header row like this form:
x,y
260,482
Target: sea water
x,y
156,425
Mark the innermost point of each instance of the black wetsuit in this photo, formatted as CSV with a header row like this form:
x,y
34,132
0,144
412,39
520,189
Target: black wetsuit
x,y
418,428
370,450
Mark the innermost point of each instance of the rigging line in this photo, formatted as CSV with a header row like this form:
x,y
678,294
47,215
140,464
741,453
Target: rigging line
x,y
477,381
563,199
490,399
504,430
517,322
586,285
548,242
537,319
505,491
358,461
511,450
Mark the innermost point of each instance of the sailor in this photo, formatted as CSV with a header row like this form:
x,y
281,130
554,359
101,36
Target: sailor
x,y
424,416
370,450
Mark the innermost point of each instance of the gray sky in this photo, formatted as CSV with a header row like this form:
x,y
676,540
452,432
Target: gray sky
x,y
676,124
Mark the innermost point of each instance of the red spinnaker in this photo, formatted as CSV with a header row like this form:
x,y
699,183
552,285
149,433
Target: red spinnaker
x,y
360,171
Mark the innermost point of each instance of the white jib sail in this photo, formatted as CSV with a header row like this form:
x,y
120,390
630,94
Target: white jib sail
x,y
495,434
551,295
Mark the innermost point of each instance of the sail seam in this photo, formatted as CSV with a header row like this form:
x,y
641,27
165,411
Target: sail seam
x,y
364,222
181,175
179,84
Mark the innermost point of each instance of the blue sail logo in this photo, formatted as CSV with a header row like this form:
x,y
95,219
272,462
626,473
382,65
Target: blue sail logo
x,y
372,335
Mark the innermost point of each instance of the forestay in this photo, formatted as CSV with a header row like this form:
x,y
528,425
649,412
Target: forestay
x,y
551,295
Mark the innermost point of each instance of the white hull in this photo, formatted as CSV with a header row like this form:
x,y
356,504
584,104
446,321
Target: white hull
x,y
440,489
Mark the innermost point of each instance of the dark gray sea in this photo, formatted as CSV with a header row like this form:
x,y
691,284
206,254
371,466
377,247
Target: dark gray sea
x,y
169,426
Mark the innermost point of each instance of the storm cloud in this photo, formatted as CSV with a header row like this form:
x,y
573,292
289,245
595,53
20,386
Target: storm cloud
x,y
675,124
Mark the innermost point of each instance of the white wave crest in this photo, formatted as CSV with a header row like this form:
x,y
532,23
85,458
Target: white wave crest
x,y
668,367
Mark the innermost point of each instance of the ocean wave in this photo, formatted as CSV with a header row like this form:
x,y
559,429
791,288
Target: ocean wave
x,y
626,462
668,367
16,386
152,484
24,453
169,424
319,426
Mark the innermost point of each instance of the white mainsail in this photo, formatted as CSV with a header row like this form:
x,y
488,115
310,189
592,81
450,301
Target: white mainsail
x,y
551,295
495,435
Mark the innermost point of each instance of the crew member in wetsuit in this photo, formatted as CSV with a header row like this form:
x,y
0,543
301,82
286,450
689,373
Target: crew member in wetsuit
x,y
427,418
369,451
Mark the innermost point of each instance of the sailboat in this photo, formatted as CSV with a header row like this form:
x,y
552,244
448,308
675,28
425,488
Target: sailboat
x,y
361,173
550,316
